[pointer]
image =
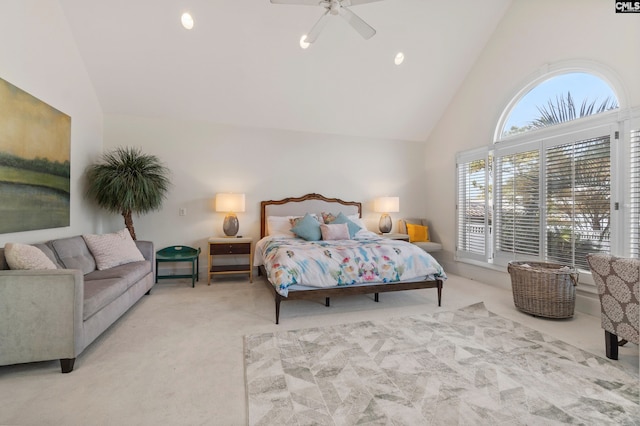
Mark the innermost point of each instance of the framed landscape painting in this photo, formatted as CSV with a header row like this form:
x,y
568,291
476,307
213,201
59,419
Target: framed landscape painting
x,y
35,149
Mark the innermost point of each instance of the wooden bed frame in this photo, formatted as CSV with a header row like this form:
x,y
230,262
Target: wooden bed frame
x,y
327,293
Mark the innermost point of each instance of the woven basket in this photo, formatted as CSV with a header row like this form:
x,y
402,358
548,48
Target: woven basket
x,y
544,289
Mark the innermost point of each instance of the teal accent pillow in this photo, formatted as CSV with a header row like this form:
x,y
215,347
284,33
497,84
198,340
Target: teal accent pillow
x,y
308,228
353,228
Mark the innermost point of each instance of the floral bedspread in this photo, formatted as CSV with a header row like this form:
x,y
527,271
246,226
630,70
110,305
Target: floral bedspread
x,y
291,261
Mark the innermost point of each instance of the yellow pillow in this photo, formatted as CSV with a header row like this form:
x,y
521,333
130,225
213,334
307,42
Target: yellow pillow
x,y
417,233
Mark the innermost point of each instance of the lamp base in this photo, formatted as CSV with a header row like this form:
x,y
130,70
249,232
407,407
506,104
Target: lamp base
x,y
230,225
385,223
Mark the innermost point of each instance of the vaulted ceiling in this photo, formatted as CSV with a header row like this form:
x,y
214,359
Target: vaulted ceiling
x,y
241,64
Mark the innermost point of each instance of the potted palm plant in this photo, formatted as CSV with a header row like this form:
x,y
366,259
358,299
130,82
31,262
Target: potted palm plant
x,y
127,181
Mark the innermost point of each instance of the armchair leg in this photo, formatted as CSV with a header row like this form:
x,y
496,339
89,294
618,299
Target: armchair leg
x,y
66,364
611,345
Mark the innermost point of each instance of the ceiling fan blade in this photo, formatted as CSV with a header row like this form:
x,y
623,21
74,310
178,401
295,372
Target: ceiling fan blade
x,y
357,23
356,2
300,2
317,28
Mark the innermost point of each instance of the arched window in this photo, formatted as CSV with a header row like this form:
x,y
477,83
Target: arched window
x,y
559,99
551,186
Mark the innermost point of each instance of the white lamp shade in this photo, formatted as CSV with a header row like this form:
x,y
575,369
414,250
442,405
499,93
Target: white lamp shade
x,y
229,202
386,205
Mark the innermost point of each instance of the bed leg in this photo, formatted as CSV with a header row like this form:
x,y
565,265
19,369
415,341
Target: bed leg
x,y
439,292
376,297
278,298
327,301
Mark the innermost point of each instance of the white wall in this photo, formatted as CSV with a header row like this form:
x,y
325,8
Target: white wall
x,y
265,164
38,55
533,36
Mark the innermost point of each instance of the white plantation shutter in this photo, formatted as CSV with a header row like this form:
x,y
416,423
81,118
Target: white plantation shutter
x,y
553,198
517,201
633,220
473,216
557,189
578,200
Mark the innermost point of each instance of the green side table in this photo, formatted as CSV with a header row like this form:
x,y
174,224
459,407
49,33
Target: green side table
x,y
180,254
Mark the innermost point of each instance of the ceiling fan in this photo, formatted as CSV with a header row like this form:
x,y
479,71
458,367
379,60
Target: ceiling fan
x,y
334,7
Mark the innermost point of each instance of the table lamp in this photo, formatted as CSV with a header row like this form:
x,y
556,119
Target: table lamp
x,y
386,205
231,204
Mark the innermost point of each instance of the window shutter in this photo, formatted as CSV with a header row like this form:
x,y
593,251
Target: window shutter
x,y
517,199
633,222
578,200
473,217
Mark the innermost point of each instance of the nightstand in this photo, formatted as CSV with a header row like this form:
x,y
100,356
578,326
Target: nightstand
x,y
219,248
392,236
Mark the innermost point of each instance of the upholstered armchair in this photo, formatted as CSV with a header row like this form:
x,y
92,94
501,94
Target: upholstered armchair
x,y
618,282
425,243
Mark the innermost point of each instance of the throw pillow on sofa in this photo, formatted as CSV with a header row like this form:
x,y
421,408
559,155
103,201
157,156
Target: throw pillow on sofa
x,y
111,250
24,256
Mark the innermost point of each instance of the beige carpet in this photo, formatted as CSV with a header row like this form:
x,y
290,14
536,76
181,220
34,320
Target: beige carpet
x,y
468,366
176,358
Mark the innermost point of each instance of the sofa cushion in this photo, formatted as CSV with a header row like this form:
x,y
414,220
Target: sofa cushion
x,y
47,249
115,249
130,272
74,254
23,257
103,287
99,293
3,261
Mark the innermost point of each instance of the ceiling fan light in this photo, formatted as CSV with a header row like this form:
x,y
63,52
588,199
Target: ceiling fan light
x,y
303,42
399,58
187,20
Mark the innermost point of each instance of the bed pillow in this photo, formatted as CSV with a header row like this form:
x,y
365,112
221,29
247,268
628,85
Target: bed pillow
x,y
295,220
308,228
279,226
23,257
353,228
328,217
417,233
363,228
111,250
335,231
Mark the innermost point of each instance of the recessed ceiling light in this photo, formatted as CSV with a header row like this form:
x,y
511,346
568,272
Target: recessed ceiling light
x,y
303,42
399,58
187,20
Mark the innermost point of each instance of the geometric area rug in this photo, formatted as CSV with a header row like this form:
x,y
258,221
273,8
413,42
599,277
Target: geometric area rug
x,y
468,366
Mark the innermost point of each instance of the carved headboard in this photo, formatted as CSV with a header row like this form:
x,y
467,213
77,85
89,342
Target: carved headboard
x,y
310,203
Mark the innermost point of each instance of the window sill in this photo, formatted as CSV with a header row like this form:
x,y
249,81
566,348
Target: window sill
x,y
585,280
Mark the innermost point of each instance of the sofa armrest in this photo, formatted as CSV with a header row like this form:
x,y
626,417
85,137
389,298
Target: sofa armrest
x,y
40,315
146,248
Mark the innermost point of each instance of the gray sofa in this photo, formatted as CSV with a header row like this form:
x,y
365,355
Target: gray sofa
x,y
56,314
